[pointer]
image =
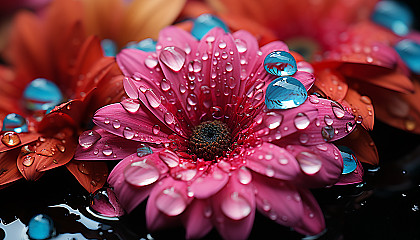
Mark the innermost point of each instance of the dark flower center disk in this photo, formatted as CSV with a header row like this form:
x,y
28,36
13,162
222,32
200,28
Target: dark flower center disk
x,y
210,139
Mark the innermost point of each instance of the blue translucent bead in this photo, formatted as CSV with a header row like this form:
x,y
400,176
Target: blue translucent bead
x,y
349,159
285,93
410,54
146,45
14,122
394,16
40,227
204,23
41,94
280,63
109,47
143,150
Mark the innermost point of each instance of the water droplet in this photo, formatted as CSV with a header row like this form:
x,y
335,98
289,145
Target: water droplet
x,y
152,99
192,99
195,66
173,57
61,148
349,159
156,129
165,85
141,174
204,23
10,139
235,206
393,15
128,133
28,161
169,157
409,51
169,118
338,110
41,95
107,150
229,67
171,202
273,120
106,121
328,120
350,126
327,133
131,105
410,124
216,112
14,122
151,62
280,63
241,45
222,45
244,176
40,227
309,162
116,124
301,121
88,138
303,138
285,93
143,150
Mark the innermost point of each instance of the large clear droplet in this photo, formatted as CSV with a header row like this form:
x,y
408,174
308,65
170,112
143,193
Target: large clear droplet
x,y
10,139
171,202
273,120
310,163
109,47
301,121
173,57
280,63
394,16
349,159
410,54
141,174
244,175
236,207
14,122
41,226
88,138
143,150
241,45
169,157
152,99
169,118
338,110
131,105
41,95
128,133
285,93
204,23
146,45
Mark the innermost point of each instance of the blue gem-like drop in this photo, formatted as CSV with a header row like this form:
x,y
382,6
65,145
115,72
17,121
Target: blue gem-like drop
x,y
14,122
394,16
146,45
40,227
109,47
204,23
143,150
349,159
284,93
41,94
410,54
280,63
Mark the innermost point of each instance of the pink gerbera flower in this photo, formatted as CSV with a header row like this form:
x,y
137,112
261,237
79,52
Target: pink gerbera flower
x,y
197,138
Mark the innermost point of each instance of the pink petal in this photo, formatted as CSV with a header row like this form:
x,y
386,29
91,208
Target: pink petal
x,y
209,183
278,200
107,204
174,36
273,161
312,219
306,78
354,177
121,148
132,61
196,223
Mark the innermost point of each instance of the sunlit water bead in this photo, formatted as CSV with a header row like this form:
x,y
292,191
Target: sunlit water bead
x,y
88,138
349,159
10,139
146,45
169,157
393,15
204,23
285,93
280,63
409,51
236,206
301,121
41,95
40,227
171,202
109,47
309,162
141,173
14,122
131,105
173,57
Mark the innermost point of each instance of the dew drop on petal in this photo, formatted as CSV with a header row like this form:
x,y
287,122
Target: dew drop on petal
x,y
349,159
10,139
169,118
309,162
235,206
88,138
151,62
131,105
301,121
244,175
171,202
107,150
15,122
195,66
303,138
173,57
28,161
328,120
41,95
222,45
192,99
61,148
204,23
141,174
116,124
280,63
165,85
241,45
169,157
156,129
338,110
327,133
143,150
128,133
285,93
229,67
152,99
273,120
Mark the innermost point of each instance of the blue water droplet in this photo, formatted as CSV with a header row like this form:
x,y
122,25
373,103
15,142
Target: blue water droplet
x,y
410,54
41,94
40,227
109,47
349,159
146,45
14,122
280,63
204,23
394,16
285,93
143,150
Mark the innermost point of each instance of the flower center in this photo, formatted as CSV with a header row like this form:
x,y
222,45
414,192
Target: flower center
x,y
210,139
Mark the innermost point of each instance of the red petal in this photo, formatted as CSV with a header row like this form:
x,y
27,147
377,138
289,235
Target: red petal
x,y
8,169
91,175
361,107
25,138
332,83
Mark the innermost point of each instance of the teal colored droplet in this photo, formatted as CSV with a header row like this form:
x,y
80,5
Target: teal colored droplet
x,y
143,150
394,16
109,47
285,93
146,45
280,63
40,227
15,122
410,54
204,23
349,159
41,94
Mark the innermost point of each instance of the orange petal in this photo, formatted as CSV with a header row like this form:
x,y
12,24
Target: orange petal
x,y
361,107
8,169
25,138
91,175
362,145
332,84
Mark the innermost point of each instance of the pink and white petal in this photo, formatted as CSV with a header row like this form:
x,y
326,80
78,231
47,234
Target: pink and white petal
x,y
172,36
108,147
306,78
312,222
197,224
234,209
354,177
321,165
141,125
278,200
273,161
209,183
